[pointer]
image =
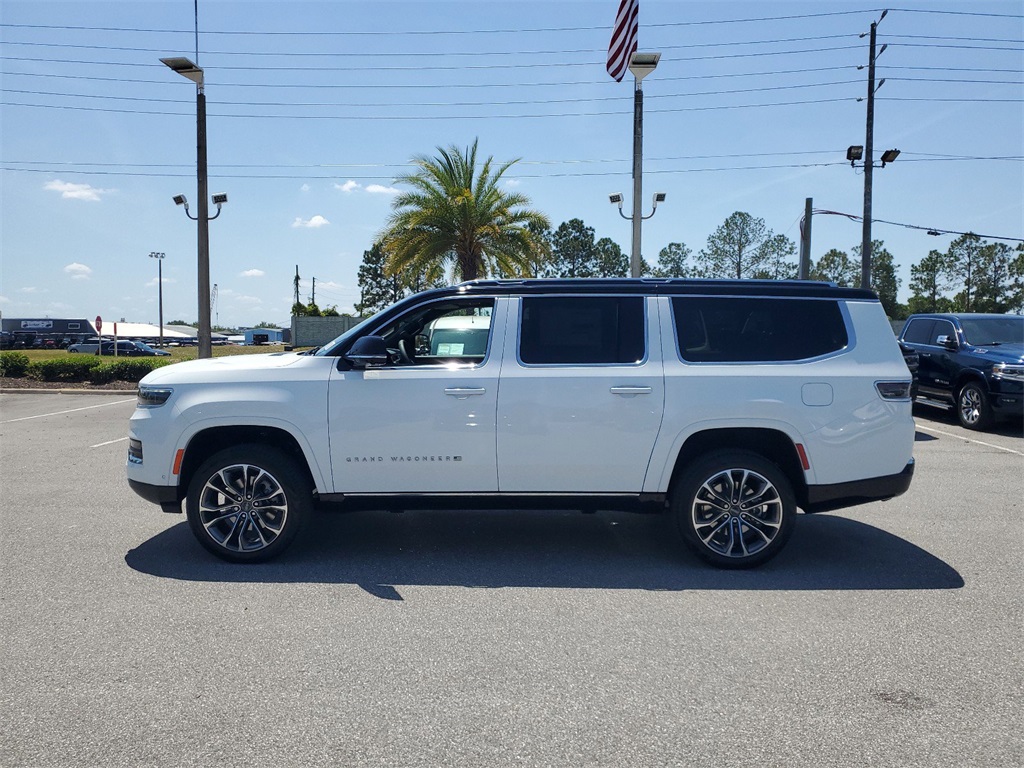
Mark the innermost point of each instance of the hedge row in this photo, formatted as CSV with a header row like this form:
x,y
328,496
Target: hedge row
x,y
77,368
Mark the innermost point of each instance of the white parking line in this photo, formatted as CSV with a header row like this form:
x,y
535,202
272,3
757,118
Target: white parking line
x,y
109,442
71,410
969,440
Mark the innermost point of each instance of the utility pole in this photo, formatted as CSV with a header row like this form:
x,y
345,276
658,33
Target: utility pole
x,y
312,298
805,240
869,142
296,284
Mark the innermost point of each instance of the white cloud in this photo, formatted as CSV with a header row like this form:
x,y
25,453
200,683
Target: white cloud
x,y
253,273
153,283
77,271
71,191
304,188
313,223
32,289
348,186
512,182
378,189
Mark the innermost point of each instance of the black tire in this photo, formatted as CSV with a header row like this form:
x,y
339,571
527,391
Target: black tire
x,y
247,503
713,503
973,409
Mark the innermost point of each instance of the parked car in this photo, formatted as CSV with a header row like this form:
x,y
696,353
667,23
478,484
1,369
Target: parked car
x,y
726,404
973,363
88,346
125,348
145,349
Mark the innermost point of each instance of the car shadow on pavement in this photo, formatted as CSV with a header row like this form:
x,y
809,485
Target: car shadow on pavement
x,y
380,552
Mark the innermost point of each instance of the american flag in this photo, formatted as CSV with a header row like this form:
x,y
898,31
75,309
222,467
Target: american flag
x,y
623,43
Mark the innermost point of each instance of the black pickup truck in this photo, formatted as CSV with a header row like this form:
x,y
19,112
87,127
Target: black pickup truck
x,y
973,363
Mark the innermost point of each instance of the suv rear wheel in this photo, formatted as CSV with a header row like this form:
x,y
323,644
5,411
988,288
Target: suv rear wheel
x,y
245,504
734,509
972,406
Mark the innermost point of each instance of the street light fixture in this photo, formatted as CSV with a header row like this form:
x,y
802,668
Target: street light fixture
x,y
160,290
192,71
616,199
219,199
889,155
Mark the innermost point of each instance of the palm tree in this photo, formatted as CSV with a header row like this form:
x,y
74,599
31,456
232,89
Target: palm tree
x,y
456,220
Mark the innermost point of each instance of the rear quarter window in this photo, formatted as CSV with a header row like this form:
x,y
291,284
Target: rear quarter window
x,y
739,330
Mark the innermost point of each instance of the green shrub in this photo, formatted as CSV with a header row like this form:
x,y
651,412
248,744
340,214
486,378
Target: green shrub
x,y
74,368
13,364
130,369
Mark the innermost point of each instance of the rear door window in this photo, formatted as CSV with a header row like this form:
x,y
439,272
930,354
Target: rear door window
x,y
582,330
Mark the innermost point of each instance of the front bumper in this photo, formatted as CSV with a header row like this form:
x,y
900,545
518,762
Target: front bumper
x,y
823,498
167,496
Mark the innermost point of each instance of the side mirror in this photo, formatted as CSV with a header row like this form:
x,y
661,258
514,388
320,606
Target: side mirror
x,y
949,342
368,352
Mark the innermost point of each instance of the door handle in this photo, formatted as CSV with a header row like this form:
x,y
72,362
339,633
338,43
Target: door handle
x,y
463,392
631,390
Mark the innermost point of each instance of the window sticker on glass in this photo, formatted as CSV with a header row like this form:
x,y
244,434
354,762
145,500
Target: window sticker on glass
x,y
450,349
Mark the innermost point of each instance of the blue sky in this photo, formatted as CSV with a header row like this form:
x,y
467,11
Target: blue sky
x,y
315,107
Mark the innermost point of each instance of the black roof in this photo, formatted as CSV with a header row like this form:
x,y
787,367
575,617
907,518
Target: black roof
x,y
658,286
960,315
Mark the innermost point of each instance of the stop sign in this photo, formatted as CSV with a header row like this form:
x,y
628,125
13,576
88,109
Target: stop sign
x,y
99,323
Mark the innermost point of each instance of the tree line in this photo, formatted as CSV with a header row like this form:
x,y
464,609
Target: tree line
x,y
456,223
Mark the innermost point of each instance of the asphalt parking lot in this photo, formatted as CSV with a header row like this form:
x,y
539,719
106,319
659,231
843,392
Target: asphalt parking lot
x,y
885,635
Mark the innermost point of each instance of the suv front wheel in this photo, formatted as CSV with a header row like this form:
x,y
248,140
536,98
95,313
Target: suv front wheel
x,y
734,508
245,504
972,406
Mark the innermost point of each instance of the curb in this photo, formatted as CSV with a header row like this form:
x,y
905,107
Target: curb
x,y
28,391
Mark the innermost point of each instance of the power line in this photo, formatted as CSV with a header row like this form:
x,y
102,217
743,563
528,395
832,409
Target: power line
x,y
356,33
431,68
406,166
64,169
929,230
448,86
428,54
562,84
489,102
605,113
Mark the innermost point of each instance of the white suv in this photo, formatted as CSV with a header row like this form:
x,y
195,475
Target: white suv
x,y
730,404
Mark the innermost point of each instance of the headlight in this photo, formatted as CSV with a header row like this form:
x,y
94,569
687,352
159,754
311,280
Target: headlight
x,y
152,397
1009,372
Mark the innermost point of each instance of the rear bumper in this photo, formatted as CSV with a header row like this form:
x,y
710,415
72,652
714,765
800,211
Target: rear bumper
x,y
822,498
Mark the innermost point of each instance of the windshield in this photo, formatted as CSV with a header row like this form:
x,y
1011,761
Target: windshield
x,y
998,329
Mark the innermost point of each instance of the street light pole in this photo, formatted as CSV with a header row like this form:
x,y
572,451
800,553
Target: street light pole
x,y
635,259
192,71
641,65
160,290
205,328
